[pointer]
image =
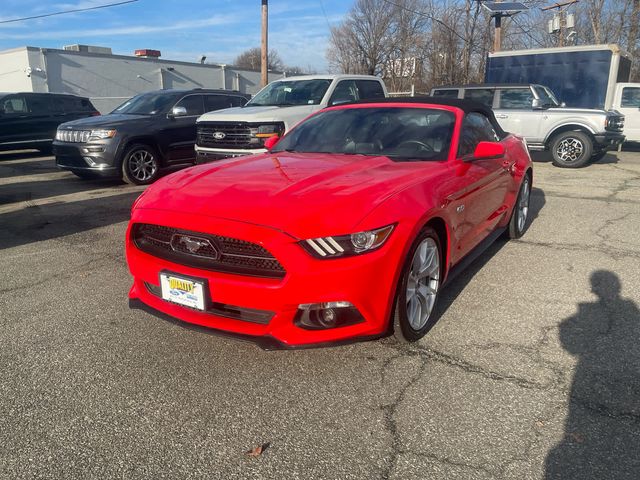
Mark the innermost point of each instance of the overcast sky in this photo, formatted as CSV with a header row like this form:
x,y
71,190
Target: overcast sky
x,y
181,29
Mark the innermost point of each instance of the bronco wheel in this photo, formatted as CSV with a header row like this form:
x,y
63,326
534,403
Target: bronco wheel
x,y
418,288
520,214
140,165
571,149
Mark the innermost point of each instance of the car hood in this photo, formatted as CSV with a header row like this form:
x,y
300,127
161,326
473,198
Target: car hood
x,y
258,114
111,120
304,195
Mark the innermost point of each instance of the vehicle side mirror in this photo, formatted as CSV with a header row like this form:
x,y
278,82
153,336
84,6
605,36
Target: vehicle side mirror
x,y
270,142
536,104
177,112
563,104
487,151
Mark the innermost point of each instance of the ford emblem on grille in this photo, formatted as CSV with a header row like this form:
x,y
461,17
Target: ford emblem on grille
x,y
195,245
219,135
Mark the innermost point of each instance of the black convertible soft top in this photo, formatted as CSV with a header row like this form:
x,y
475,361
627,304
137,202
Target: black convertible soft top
x,y
467,106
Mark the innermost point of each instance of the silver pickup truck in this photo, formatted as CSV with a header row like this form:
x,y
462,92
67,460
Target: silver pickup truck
x,y
574,136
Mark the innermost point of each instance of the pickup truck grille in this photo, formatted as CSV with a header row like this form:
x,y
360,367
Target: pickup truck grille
x,y
206,251
225,135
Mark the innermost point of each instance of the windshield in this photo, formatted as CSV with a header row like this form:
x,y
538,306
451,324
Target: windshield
x,y
147,104
546,96
410,134
291,92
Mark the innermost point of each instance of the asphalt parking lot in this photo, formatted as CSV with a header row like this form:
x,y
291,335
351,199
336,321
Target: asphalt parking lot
x,y
532,372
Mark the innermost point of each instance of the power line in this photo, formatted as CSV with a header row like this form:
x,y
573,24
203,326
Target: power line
x,y
325,14
527,33
67,11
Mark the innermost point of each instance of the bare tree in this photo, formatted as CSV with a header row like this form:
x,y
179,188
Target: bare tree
x,y
250,59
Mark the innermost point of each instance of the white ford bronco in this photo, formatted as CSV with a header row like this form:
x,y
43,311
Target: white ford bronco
x,y
276,109
574,136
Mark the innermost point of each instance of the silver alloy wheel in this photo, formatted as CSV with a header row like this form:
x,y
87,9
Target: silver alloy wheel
x,y
423,283
570,149
142,165
523,204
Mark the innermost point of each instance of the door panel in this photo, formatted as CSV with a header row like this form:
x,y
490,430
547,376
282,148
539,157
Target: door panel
x,y
179,133
630,108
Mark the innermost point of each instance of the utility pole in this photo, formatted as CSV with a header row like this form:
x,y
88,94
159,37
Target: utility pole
x,y
264,60
497,38
498,10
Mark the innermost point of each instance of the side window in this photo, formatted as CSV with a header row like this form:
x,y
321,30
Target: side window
x,y
217,102
476,128
630,97
193,104
516,98
446,93
14,105
482,95
346,91
369,89
39,104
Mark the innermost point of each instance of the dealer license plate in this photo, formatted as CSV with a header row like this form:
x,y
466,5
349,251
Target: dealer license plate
x,y
183,291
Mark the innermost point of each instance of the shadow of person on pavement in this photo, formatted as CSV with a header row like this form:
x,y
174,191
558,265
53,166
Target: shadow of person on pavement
x,y
602,430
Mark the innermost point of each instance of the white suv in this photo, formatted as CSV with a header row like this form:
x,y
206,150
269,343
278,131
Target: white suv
x,y
575,136
276,109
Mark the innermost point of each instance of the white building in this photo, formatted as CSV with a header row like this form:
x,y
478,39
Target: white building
x,y
107,79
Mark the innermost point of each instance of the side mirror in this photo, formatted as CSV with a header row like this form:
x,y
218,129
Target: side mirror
x,y
563,104
487,151
536,104
177,112
270,142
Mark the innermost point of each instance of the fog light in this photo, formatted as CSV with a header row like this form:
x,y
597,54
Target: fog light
x,y
89,161
318,316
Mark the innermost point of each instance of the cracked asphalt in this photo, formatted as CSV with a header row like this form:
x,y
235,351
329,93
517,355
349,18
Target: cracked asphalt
x,y
532,371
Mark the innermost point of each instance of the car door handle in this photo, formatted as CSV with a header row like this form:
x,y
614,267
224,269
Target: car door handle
x,y
502,115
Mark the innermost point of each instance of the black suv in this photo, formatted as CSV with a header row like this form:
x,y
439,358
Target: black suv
x,y
29,120
148,132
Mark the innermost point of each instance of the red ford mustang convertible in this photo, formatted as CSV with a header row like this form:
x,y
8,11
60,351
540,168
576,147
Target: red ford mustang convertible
x,y
347,228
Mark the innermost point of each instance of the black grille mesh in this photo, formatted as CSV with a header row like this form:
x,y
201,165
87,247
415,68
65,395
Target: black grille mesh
x,y
224,254
236,135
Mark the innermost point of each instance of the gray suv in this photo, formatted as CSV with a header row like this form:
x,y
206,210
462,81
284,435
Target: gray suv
x,y
574,136
147,133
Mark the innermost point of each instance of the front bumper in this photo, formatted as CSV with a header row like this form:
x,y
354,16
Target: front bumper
x,y
608,140
367,282
98,157
205,155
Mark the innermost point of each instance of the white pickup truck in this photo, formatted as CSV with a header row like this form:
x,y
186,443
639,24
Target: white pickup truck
x,y
574,136
276,109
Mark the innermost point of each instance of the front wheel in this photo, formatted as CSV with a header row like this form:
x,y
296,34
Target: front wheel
x,y
140,165
571,149
418,288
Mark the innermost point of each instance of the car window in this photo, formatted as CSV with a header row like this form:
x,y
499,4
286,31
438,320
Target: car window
x,y
66,104
630,97
476,128
217,102
291,92
193,104
400,133
150,103
369,89
346,91
39,104
516,98
482,95
14,105
446,93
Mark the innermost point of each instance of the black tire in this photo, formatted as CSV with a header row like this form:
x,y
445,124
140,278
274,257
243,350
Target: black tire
x,y
403,329
571,149
518,224
140,164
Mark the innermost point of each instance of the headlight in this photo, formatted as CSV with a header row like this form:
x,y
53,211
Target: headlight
x,y
101,134
614,123
259,133
347,245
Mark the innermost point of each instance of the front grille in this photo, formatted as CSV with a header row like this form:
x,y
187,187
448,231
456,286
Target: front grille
x,y
207,251
236,135
73,136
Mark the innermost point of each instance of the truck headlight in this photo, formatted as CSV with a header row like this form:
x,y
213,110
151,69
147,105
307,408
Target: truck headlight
x,y
259,133
347,245
101,134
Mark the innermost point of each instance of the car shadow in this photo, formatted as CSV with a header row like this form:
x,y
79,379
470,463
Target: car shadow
x,y
454,288
545,157
20,154
602,427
